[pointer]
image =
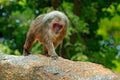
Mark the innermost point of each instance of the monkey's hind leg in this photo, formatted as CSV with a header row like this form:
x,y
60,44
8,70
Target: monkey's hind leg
x,y
28,44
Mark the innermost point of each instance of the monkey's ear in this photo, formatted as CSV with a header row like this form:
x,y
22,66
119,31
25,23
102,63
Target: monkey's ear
x,y
57,27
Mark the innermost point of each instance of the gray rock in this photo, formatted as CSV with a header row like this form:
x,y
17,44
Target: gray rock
x,y
38,67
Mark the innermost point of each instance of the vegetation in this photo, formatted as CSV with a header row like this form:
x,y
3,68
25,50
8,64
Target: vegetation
x,y
93,33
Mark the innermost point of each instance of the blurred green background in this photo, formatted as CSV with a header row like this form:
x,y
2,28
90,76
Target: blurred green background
x,y
93,33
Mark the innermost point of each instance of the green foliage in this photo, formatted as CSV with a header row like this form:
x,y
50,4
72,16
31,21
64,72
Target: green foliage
x,y
117,68
6,49
93,33
37,48
109,29
112,22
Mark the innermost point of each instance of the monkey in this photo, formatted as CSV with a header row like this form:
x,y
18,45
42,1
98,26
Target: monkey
x,y
50,30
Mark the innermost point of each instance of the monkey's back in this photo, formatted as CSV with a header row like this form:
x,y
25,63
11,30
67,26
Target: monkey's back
x,y
38,28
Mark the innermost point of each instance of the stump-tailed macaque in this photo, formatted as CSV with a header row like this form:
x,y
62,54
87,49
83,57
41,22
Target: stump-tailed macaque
x,y
49,29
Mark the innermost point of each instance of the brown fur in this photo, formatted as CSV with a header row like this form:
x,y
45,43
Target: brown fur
x,y
42,30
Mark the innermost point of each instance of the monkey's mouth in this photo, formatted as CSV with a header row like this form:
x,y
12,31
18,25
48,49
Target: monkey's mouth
x,y
57,27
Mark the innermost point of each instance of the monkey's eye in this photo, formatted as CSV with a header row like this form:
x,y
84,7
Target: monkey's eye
x,y
57,27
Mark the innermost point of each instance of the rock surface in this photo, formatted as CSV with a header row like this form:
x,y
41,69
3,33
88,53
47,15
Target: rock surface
x,y
38,67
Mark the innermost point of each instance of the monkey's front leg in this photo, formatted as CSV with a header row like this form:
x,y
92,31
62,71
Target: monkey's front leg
x,y
50,48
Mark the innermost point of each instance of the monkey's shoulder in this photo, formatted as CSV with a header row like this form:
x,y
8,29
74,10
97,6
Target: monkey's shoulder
x,y
39,18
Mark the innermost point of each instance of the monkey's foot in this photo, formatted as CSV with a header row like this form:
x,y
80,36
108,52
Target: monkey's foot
x,y
54,57
26,53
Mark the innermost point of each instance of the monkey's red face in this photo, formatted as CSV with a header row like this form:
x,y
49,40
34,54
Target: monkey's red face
x,y
57,27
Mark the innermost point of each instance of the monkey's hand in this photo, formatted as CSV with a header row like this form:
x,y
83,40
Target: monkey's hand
x,y
54,57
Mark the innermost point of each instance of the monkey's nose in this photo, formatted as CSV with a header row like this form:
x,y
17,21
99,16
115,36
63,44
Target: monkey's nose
x,y
57,27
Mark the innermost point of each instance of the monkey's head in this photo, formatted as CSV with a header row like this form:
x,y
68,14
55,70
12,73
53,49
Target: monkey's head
x,y
57,21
